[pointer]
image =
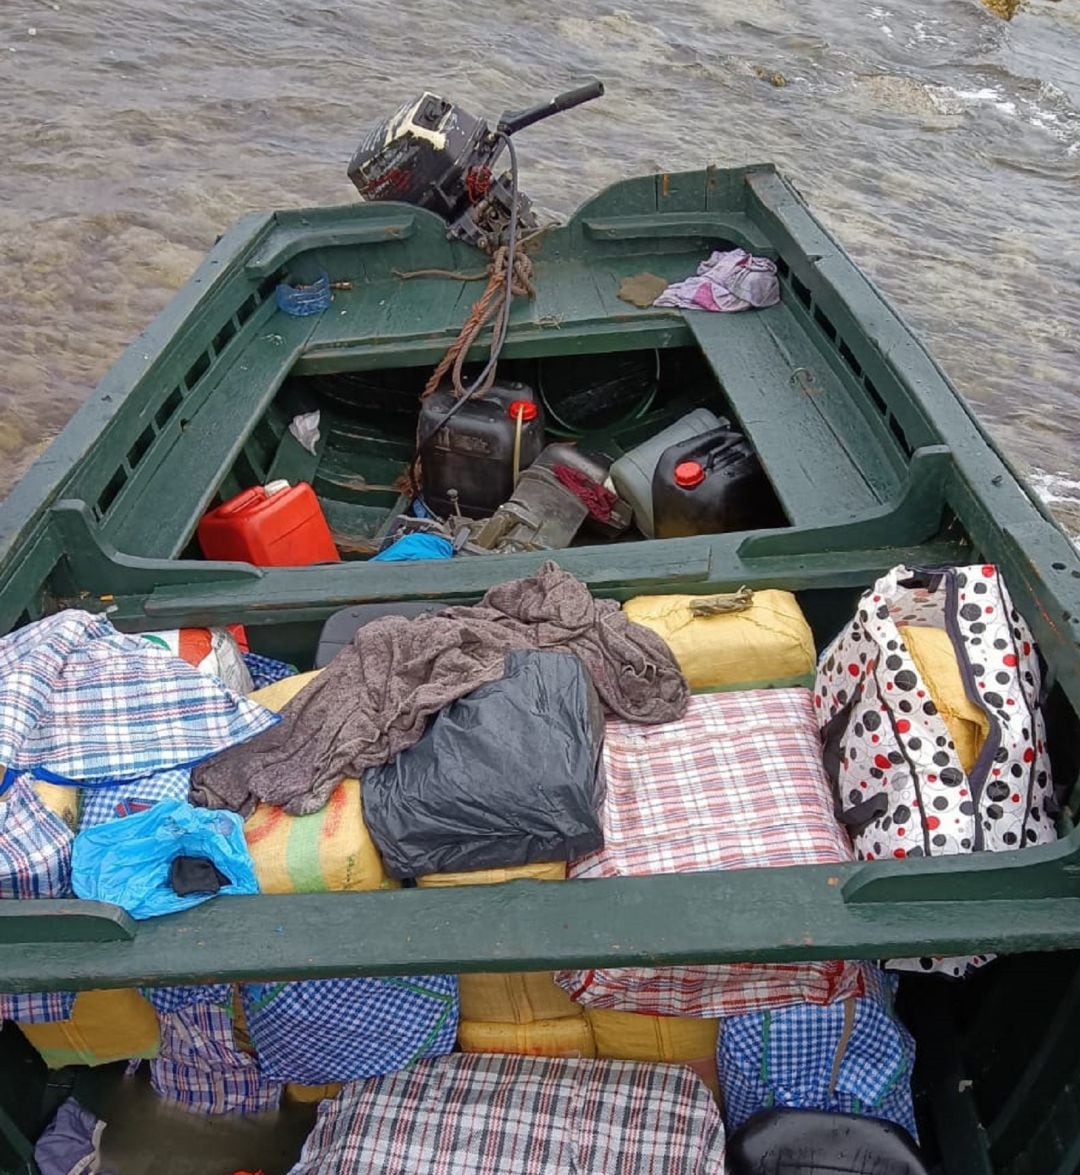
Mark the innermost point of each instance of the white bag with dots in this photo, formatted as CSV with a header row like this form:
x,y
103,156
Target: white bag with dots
x,y
900,786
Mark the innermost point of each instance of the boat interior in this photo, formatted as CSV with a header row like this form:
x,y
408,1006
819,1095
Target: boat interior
x,y
872,458
995,1087
199,408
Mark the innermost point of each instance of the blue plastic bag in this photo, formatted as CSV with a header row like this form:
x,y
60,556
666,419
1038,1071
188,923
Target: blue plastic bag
x,y
415,548
127,861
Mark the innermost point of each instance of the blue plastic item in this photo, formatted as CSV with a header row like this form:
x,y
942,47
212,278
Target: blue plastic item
x,y
300,301
127,861
414,548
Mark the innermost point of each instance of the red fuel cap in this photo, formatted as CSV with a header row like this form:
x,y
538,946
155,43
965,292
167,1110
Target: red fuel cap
x,y
689,474
526,409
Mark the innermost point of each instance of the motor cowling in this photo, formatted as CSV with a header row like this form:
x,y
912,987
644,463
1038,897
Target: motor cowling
x,y
435,155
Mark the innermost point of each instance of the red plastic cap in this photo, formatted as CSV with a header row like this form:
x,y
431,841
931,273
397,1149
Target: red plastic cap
x,y
689,474
526,409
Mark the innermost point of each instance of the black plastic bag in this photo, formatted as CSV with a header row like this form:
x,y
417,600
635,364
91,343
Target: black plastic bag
x,y
508,775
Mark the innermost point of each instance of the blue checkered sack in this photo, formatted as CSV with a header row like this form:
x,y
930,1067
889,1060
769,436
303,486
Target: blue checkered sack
x,y
793,1057
326,1030
39,1007
35,846
266,670
199,1066
172,999
81,702
99,805
35,862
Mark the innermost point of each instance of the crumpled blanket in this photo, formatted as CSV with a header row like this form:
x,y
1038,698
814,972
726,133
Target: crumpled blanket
x,y
725,282
374,699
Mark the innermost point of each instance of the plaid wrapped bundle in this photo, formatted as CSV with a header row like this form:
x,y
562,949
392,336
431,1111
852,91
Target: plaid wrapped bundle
x,y
172,999
853,1057
81,702
737,783
99,805
480,1114
35,862
200,1068
35,846
327,1030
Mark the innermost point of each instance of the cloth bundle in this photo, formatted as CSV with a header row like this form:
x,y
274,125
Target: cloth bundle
x,y
729,281
375,698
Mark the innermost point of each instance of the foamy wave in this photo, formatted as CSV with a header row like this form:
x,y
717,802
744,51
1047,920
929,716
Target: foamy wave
x,y
1063,491
1055,488
1049,110
880,16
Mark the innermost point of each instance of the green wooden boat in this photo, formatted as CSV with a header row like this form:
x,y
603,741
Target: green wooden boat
x,y
872,454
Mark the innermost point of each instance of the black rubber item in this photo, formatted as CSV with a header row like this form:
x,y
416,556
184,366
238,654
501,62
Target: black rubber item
x,y
340,628
513,121
195,875
811,1142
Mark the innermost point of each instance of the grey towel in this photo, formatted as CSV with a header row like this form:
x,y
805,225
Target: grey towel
x,y
374,699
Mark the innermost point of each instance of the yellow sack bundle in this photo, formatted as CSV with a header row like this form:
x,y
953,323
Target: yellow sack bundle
x,y
61,801
507,999
105,1026
767,643
327,850
542,871
566,1037
307,1095
514,997
935,658
631,1036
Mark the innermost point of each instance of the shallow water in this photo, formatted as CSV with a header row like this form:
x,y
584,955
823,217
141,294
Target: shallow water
x,y
940,144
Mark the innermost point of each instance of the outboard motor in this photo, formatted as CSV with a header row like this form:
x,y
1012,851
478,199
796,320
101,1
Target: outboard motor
x,y
435,155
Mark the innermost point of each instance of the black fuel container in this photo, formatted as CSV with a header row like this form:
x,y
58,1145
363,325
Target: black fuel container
x,y
710,484
473,451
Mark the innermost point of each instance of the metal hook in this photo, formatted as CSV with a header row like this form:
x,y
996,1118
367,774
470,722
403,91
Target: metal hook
x,y
803,378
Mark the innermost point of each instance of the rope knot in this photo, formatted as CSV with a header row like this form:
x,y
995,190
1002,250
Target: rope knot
x,y
484,308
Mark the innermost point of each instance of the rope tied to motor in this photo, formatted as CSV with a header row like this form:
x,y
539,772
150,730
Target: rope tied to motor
x,y
495,303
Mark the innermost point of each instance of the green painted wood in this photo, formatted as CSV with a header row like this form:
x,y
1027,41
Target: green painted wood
x,y
109,416
821,476
183,481
1050,1063
766,915
990,877
71,922
20,1145
314,593
302,237
24,590
735,227
1053,1146
959,1133
293,463
914,517
95,566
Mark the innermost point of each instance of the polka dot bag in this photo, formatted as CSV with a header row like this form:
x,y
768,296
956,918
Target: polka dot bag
x,y
901,787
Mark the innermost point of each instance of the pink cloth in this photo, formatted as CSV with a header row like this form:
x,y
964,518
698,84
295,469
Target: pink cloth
x,y
725,282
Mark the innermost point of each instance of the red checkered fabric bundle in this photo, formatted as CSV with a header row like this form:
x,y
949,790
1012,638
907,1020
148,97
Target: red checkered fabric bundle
x,y
738,783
